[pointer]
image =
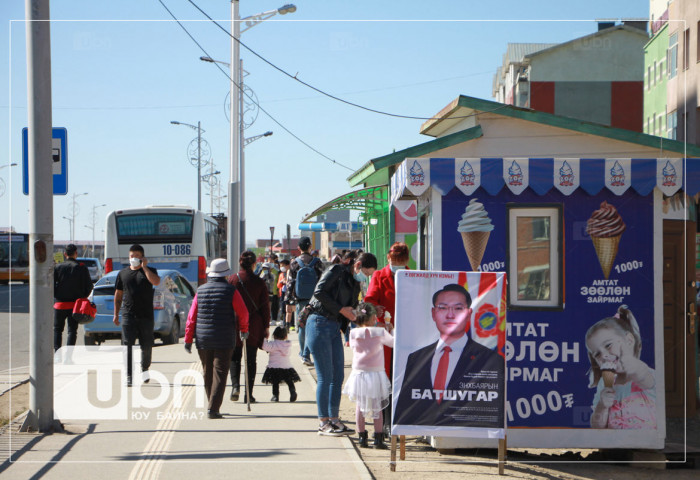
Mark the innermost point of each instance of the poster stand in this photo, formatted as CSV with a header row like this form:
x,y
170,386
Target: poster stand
x,y
502,447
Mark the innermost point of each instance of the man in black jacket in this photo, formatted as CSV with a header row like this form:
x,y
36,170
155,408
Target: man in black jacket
x,y
456,381
71,281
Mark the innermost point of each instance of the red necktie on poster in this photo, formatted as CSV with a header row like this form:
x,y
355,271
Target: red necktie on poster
x,y
441,375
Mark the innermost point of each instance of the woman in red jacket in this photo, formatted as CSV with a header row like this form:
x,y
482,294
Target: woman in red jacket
x,y
382,293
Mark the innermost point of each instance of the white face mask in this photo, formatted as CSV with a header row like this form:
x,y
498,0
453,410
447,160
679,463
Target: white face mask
x,y
134,262
283,269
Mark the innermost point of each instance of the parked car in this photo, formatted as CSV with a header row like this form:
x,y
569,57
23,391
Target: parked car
x,y
94,267
171,304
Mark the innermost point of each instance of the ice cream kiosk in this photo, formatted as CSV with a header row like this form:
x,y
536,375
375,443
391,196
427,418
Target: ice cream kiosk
x,y
581,242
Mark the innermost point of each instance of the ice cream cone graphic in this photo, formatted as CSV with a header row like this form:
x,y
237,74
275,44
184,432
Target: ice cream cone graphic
x,y
475,246
605,228
608,378
475,228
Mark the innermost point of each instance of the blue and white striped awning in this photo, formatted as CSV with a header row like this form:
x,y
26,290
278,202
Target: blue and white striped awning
x,y
415,175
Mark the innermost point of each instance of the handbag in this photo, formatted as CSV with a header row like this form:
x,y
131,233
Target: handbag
x,y
84,311
303,315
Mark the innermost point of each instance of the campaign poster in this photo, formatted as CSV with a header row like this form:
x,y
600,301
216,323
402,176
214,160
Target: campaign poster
x,y
449,359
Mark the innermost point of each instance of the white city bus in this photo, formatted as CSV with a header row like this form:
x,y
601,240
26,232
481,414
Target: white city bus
x,y
174,237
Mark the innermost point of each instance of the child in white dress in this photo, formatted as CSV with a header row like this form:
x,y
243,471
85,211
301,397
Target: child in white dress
x,y
368,385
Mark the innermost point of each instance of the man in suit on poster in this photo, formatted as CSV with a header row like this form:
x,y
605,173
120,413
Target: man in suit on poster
x,y
455,381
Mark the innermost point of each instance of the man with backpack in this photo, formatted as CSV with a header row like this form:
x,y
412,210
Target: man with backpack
x,y
71,281
304,273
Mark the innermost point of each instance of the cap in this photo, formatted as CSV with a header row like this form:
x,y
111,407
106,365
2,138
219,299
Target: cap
x,y
304,243
219,268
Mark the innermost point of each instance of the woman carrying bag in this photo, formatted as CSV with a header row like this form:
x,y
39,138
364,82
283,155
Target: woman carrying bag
x,y
331,311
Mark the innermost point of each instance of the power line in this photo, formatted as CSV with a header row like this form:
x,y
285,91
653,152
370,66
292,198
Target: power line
x,y
322,92
248,96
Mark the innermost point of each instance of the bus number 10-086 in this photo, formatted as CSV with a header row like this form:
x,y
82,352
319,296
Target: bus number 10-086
x,y
177,249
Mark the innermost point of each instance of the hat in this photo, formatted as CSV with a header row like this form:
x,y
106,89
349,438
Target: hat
x,y
304,243
218,268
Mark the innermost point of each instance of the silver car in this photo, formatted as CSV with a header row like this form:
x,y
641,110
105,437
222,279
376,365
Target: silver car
x,y
171,304
94,266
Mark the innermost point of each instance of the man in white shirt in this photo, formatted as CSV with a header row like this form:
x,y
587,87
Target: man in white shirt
x,y
454,381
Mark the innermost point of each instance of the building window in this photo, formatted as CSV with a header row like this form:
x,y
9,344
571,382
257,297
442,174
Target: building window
x,y
672,56
672,125
686,49
653,124
535,253
654,72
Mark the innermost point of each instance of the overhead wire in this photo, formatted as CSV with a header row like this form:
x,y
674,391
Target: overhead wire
x,y
322,92
238,86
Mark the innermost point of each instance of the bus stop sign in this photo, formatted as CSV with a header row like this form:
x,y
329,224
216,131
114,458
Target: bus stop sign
x,y
59,154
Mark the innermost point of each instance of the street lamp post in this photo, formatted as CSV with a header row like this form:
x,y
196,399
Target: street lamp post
x,y
73,214
272,235
198,159
93,221
2,182
237,180
70,228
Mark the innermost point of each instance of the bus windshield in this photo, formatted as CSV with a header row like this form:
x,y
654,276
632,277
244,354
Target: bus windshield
x,y
148,228
15,252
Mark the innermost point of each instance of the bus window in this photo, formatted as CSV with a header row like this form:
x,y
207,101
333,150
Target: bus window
x,y
154,228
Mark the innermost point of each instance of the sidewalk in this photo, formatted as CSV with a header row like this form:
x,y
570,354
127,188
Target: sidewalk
x,y
273,440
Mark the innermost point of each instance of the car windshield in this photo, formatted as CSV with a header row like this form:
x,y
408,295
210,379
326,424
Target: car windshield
x,y
88,263
103,291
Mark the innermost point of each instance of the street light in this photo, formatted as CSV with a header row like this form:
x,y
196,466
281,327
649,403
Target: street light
x,y
236,210
93,221
2,182
199,158
74,204
70,228
272,235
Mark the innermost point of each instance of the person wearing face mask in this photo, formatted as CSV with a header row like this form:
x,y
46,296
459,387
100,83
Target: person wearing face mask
x,y
382,293
286,309
336,294
134,285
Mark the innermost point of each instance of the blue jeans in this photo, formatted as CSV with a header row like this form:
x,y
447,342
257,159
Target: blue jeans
x,y
301,331
324,339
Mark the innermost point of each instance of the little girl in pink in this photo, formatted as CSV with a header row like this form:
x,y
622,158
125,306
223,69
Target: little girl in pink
x,y
368,385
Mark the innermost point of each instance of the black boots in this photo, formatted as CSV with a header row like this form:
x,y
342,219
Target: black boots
x,y
363,439
379,441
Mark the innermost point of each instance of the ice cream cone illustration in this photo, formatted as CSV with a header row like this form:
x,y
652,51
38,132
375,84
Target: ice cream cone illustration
x,y
605,228
475,228
608,373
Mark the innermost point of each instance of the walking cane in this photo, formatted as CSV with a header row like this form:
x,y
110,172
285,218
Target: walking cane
x,y
245,360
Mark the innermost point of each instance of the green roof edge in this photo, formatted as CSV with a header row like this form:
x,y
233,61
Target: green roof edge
x,y
385,161
579,125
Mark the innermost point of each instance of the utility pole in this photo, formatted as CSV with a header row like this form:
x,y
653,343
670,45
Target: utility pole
x,y
40,170
233,234
199,166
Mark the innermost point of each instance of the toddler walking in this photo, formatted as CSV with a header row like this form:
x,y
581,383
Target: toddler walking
x,y
279,368
368,385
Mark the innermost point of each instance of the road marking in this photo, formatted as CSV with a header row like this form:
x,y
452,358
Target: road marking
x,y
151,463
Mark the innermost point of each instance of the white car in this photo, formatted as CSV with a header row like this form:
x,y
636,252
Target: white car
x,y
94,267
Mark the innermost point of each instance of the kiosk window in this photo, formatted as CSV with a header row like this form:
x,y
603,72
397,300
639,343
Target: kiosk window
x,y
534,256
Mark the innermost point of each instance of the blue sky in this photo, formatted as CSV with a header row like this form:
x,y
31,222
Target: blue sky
x,y
121,71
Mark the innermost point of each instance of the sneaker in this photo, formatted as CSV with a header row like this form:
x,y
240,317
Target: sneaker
x,y
275,398
307,362
293,397
291,329
127,382
146,376
329,430
342,428
235,393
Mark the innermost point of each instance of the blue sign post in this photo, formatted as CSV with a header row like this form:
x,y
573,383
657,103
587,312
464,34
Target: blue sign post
x,y
59,153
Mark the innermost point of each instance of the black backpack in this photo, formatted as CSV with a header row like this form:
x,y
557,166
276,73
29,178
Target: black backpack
x,y
306,279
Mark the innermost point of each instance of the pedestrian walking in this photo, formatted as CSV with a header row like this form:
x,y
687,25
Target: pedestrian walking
x,y
134,285
217,312
284,315
304,273
336,294
368,386
279,368
71,281
269,273
254,292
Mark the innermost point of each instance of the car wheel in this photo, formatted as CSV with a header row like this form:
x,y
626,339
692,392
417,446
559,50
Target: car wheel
x,y
90,340
174,336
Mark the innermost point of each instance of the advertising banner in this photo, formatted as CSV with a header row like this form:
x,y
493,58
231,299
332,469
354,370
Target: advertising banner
x,y
587,362
449,357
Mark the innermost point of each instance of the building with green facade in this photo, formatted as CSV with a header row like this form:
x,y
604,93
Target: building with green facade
x,y
657,69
